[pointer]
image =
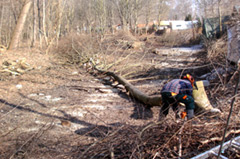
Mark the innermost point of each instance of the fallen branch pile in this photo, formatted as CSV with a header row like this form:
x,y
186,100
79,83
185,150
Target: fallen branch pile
x,y
160,140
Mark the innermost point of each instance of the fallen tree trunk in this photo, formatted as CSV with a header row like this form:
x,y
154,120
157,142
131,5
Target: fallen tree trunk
x,y
136,93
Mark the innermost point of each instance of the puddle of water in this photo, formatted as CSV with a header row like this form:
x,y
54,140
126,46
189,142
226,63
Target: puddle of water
x,y
101,100
95,106
105,95
112,90
77,113
45,97
179,50
195,48
119,107
75,127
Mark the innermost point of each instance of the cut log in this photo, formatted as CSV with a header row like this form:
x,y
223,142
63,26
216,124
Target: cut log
x,y
201,100
200,96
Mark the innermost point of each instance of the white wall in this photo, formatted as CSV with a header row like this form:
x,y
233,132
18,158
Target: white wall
x,y
181,25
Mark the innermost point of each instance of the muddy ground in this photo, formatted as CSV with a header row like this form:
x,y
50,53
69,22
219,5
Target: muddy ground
x,y
54,111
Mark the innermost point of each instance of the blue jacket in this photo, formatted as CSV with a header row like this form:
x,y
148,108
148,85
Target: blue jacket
x,y
178,86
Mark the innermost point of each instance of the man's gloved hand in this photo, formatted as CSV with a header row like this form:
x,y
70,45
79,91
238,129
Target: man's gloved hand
x,y
190,113
183,115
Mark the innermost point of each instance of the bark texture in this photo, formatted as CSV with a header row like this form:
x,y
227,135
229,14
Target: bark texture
x,y
136,93
20,24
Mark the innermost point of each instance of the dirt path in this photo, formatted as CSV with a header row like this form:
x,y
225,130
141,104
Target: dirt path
x,y
49,111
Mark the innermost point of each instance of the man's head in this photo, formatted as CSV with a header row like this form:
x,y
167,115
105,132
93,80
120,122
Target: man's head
x,y
188,77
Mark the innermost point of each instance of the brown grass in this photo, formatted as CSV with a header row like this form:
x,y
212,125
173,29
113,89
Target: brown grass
x,y
217,49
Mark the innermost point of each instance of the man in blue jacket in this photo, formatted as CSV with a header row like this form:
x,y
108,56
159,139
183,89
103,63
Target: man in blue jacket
x,y
175,91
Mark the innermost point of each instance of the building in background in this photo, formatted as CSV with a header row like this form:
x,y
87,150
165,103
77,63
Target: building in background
x,y
177,24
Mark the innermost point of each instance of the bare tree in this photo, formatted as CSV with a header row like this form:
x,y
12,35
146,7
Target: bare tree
x,y
135,14
110,14
180,9
20,24
220,15
69,16
34,23
149,10
215,8
138,12
100,12
52,19
89,16
1,21
61,8
124,11
163,10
